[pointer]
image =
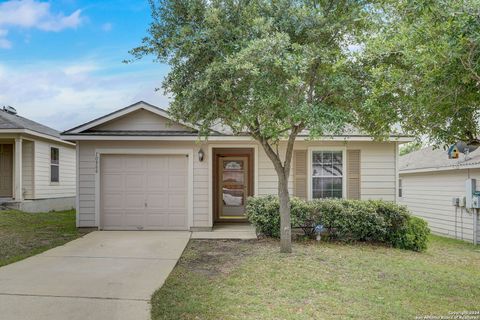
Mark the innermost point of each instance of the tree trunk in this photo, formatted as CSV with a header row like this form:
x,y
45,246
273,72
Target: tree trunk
x,y
285,221
283,173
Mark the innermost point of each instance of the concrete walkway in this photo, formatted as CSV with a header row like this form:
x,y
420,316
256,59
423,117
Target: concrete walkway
x,y
104,275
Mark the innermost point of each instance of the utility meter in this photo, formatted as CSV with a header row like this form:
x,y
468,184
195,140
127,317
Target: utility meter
x,y
472,196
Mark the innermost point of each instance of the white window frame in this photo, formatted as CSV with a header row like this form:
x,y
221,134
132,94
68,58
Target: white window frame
x,y
309,168
52,164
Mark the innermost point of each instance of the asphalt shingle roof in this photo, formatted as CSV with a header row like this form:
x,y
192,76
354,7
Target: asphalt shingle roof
x,y
13,121
430,158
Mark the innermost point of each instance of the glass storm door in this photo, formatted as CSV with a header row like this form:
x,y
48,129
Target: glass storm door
x,y
233,187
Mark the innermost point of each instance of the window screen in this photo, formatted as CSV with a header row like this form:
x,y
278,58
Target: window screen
x,y
327,174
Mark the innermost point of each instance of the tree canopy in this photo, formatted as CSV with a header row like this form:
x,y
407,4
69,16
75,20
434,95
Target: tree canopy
x,y
425,64
261,67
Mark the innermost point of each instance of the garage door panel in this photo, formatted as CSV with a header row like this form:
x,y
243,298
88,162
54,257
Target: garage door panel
x,y
134,163
112,164
134,201
177,221
177,181
134,219
157,220
157,181
157,164
135,181
113,220
177,163
177,201
157,201
144,192
113,200
112,181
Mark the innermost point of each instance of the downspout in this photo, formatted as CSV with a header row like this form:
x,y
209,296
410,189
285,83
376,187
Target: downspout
x,y
475,226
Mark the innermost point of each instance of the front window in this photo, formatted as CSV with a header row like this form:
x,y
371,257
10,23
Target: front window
x,y
327,174
54,165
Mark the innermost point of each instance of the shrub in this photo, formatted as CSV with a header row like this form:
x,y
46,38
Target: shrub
x,y
395,217
349,220
415,237
344,220
263,213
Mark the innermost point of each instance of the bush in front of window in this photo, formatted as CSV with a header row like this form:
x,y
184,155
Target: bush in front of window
x,y
343,220
263,213
350,220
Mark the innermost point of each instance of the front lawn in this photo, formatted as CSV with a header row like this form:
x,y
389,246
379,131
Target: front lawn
x,y
25,234
218,279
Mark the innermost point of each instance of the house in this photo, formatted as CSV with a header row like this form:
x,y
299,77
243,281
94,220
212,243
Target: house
x,y
140,170
37,168
429,181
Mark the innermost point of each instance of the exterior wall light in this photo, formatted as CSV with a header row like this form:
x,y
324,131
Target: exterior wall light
x,y
201,155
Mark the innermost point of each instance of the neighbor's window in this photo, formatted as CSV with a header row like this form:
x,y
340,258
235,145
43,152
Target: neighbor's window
x,y
54,165
400,188
327,174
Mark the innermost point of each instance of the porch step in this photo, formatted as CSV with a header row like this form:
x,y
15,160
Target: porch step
x,y
228,231
10,204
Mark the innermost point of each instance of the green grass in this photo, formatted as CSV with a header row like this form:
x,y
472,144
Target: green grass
x,y
251,280
26,234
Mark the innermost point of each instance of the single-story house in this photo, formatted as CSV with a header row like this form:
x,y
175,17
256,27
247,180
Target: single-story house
x,y
140,170
37,168
429,183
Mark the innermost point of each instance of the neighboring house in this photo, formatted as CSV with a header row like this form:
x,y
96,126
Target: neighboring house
x,y
37,168
139,170
429,180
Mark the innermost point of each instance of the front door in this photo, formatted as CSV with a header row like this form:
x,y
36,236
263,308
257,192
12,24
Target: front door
x,y
233,186
6,170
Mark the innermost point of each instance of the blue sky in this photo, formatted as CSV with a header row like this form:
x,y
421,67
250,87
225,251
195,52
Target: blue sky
x,y
61,61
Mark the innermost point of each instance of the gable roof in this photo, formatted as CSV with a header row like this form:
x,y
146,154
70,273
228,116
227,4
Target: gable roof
x,y
10,121
429,159
84,128
93,130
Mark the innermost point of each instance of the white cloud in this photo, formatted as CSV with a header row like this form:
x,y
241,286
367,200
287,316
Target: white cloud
x,y
63,95
81,68
4,43
33,14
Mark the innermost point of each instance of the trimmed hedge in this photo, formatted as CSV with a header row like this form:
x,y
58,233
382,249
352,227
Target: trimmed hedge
x,y
344,220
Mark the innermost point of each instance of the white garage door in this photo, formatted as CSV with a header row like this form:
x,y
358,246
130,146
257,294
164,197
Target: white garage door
x,y
144,192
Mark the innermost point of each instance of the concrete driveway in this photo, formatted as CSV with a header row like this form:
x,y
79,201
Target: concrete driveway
x,y
103,275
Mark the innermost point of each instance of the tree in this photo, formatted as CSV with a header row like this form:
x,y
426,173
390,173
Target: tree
x,y
425,64
410,147
269,69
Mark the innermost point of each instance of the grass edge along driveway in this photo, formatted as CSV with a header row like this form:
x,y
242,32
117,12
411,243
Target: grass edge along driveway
x,y
25,234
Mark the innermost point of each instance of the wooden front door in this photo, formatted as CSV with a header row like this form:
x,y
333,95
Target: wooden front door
x,y
6,170
233,181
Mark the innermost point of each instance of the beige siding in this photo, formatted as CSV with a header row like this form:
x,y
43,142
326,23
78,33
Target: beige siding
x,y
140,120
43,187
267,176
377,172
28,179
429,196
